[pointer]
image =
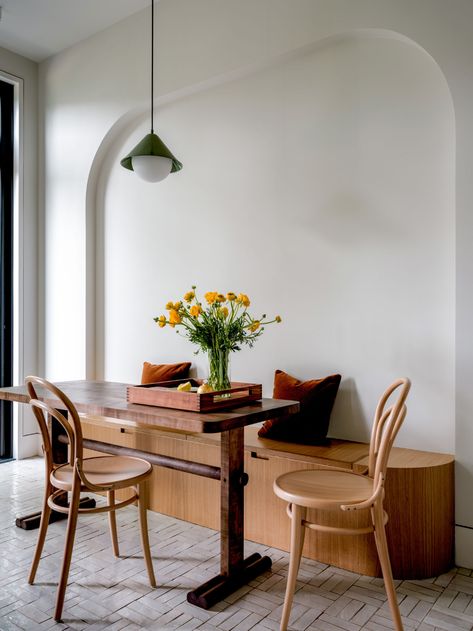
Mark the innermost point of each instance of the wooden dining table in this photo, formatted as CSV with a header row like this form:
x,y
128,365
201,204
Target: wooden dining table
x,y
108,399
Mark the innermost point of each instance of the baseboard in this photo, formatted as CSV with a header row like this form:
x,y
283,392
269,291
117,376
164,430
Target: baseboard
x,y
28,446
464,546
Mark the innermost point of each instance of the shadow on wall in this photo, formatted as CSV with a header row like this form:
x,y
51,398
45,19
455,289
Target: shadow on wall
x,y
348,410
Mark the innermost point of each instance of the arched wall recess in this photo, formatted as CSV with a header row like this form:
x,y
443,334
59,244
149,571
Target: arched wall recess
x,y
344,212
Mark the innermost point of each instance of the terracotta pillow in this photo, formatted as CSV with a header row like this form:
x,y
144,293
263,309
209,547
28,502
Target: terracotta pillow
x,y
316,398
164,372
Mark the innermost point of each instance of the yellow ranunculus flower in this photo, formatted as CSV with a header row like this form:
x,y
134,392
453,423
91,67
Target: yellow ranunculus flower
x,y
278,319
189,296
211,297
170,305
231,296
220,298
195,311
224,311
174,317
243,298
177,306
254,326
162,321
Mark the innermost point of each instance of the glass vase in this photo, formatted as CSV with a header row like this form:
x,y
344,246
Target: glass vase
x,y
219,369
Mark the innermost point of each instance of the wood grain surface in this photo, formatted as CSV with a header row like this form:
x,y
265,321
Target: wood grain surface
x,y
419,496
105,398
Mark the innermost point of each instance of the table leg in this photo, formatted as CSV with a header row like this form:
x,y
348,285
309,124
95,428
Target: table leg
x,y
31,522
235,570
231,501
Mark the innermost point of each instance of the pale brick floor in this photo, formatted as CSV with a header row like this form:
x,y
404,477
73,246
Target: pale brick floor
x,y
109,593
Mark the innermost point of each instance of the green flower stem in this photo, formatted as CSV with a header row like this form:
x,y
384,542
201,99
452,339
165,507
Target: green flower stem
x,y
219,378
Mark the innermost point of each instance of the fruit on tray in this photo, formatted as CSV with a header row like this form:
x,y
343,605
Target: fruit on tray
x,y
185,387
203,388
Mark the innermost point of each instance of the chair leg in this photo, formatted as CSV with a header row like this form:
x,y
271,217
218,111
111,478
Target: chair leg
x,y
69,543
295,553
144,532
303,530
43,529
113,523
377,515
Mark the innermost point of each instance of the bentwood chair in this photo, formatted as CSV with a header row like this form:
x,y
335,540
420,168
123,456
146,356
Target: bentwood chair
x,y
339,490
102,474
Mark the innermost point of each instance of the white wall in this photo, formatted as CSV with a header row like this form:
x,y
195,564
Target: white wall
x,y
326,194
25,74
90,88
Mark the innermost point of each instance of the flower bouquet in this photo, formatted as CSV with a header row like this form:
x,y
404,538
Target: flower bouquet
x,y
221,326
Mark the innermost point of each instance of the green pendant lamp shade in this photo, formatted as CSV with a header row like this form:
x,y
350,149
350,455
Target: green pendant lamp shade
x,y
151,159
151,145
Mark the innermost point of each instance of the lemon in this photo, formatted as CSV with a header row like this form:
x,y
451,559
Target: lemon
x,y
185,387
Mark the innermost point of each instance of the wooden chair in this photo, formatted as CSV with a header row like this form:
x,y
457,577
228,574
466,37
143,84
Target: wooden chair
x,y
333,489
107,473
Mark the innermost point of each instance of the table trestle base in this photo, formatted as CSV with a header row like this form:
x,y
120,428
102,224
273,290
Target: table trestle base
x,y
221,586
31,522
188,466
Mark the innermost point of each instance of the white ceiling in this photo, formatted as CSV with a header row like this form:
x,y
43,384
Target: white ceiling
x,y
38,29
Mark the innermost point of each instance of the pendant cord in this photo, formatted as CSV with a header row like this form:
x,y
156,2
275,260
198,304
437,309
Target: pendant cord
x,y
152,64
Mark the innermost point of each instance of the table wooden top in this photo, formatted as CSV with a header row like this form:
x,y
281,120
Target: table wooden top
x,y
106,398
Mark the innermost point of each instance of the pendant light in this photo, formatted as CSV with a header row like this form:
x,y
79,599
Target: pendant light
x,y
151,160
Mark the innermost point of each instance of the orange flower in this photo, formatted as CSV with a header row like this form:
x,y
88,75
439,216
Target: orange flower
x,y
220,298
211,297
161,321
177,306
170,305
231,296
189,296
174,317
244,300
224,311
254,326
195,311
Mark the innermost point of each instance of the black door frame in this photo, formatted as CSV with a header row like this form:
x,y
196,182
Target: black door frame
x,y
7,103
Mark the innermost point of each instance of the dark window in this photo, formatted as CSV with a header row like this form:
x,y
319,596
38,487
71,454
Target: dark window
x,y
6,263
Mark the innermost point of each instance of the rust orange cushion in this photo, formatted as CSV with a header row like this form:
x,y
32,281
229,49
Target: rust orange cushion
x,y
164,372
316,398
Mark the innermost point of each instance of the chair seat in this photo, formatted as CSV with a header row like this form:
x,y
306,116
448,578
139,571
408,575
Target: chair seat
x,y
323,489
119,471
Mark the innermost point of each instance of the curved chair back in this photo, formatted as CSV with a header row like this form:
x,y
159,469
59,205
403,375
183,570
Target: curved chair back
x,y
71,424
387,422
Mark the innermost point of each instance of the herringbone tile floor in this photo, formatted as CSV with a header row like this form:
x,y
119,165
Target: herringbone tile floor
x,y
109,593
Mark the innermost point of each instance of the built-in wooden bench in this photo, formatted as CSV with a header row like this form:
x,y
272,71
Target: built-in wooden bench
x,y
419,495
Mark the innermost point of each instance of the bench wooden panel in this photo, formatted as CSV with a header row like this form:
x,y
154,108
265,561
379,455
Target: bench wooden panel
x,y
181,495
419,495
420,503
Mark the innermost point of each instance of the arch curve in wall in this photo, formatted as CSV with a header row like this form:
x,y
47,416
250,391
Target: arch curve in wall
x,y
339,216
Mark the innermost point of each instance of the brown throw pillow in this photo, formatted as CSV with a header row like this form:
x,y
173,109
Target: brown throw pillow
x,y
164,372
316,398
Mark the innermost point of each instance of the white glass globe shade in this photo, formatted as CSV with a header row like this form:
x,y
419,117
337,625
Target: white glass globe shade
x,y
151,168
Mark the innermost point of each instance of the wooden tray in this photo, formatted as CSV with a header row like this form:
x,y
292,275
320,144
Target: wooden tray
x,y
165,394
